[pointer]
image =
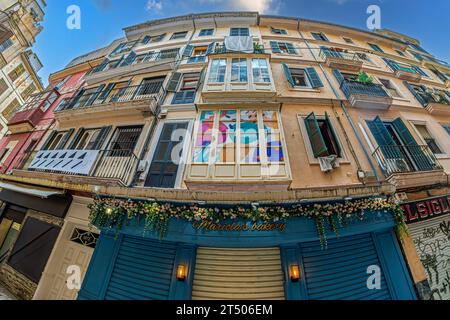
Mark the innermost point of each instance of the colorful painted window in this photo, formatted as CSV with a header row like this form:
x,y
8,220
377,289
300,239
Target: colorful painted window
x,y
239,70
218,70
231,136
274,148
260,70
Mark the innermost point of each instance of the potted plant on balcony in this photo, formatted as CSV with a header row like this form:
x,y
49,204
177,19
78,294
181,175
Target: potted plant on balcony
x,y
257,48
364,78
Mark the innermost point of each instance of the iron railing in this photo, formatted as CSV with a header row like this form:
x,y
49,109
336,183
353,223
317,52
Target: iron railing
x,y
169,54
400,159
221,48
330,53
117,164
354,87
146,91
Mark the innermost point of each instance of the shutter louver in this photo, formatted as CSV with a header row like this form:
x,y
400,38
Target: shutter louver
x,y
384,139
128,60
415,94
188,51
340,271
338,75
338,147
142,270
101,138
315,136
76,139
288,74
290,48
314,78
211,48
173,82
49,140
64,140
275,47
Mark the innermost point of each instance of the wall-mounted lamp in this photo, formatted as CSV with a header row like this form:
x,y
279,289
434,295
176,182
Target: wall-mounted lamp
x,y
181,272
294,271
108,210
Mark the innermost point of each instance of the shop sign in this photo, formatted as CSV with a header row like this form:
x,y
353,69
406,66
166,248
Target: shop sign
x,y
426,209
207,225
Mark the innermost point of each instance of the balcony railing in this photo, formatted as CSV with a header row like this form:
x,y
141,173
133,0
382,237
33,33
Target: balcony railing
x,y
221,48
358,88
400,159
170,54
149,91
114,164
329,53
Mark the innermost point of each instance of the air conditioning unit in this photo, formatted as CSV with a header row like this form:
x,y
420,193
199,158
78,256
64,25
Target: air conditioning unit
x,y
142,166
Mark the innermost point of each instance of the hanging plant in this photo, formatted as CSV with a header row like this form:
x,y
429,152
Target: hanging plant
x,y
363,77
115,213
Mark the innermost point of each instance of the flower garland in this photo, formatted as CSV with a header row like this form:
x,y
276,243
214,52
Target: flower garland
x,y
115,213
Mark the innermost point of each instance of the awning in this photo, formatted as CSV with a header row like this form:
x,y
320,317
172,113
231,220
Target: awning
x,y
43,193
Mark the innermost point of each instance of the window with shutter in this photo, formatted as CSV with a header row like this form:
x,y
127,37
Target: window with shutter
x,y
419,94
314,78
375,47
174,81
322,136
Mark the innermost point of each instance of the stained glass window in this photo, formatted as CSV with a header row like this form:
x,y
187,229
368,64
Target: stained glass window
x,y
227,131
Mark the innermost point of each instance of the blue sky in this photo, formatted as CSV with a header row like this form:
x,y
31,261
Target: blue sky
x,y
102,21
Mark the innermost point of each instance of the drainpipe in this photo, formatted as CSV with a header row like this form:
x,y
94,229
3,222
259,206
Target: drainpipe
x,y
158,109
338,95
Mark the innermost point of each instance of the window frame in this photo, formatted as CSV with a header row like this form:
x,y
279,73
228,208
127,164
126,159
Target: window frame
x,y
416,123
240,29
343,159
177,35
206,33
321,36
281,31
395,87
262,138
307,81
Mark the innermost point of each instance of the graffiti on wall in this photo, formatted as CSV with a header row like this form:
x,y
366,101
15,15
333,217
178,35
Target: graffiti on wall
x,y
433,246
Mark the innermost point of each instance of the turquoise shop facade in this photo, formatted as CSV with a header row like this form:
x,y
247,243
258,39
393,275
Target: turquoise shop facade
x,y
134,266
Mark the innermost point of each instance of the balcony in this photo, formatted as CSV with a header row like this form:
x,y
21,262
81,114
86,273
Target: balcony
x,y
409,166
341,60
437,103
109,167
144,98
366,95
407,73
150,62
28,115
221,49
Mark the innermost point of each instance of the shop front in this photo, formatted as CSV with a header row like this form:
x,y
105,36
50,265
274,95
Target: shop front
x,y
429,225
360,258
30,221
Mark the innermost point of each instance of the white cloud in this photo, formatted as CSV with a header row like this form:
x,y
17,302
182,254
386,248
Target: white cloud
x,y
262,6
154,5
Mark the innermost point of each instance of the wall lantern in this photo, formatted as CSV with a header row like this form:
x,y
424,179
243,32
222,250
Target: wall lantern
x,y
294,272
181,272
109,210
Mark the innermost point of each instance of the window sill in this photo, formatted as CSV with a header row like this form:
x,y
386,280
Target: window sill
x,y
442,156
315,162
300,89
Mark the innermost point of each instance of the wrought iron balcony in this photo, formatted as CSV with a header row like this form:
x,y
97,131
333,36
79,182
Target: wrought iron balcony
x,y
406,72
366,95
400,159
117,165
149,91
437,102
341,59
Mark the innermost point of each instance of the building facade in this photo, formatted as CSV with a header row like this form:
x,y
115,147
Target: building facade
x,y
242,156
19,25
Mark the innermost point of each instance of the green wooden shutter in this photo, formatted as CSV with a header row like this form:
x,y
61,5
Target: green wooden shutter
x,y
338,146
288,74
380,133
275,47
101,138
290,48
188,51
64,139
76,139
201,78
173,83
415,94
314,78
315,136
420,71
422,161
105,93
49,140
338,75
391,64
